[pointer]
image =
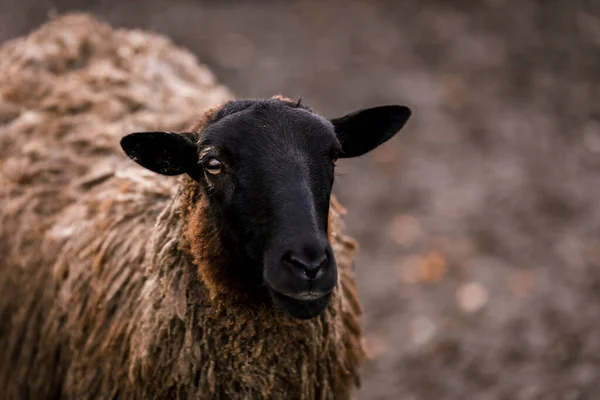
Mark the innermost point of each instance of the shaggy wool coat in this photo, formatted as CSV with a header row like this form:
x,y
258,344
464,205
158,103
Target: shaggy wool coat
x,y
106,285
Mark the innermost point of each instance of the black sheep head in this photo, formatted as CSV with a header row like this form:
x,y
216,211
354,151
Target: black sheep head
x,y
267,169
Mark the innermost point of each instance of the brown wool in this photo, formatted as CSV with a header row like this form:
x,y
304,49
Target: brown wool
x,y
106,285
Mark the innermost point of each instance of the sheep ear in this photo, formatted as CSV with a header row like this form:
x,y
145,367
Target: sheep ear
x,y
165,153
364,130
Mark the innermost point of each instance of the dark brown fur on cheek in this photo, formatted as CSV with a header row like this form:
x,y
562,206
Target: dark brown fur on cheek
x,y
203,235
207,250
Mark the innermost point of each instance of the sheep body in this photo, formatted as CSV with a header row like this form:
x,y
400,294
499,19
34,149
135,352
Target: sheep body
x,y
100,296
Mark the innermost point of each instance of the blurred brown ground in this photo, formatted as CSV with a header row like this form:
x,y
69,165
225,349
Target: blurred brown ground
x,y
480,223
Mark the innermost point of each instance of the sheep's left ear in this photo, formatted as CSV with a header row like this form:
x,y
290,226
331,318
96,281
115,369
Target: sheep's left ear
x,y
165,153
364,130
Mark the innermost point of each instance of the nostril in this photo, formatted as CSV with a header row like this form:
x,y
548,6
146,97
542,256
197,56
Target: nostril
x,y
311,273
310,268
290,259
324,260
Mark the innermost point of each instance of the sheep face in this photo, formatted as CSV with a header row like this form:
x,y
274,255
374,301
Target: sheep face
x,y
266,168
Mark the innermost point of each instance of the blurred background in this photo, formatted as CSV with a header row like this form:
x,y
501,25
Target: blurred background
x,y
479,223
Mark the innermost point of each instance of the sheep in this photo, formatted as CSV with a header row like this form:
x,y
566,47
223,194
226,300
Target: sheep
x,y
233,279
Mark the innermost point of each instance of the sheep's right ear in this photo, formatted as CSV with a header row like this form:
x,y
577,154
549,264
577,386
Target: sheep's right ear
x,y
165,153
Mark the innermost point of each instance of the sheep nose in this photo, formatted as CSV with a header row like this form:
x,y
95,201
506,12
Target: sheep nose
x,y
309,262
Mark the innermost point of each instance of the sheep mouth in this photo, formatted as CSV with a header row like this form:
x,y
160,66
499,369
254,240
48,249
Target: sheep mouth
x,y
306,296
303,305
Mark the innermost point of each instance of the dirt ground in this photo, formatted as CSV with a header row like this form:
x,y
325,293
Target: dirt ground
x,y
480,223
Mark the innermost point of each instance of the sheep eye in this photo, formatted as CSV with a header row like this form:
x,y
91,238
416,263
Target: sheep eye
x,y
213,166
